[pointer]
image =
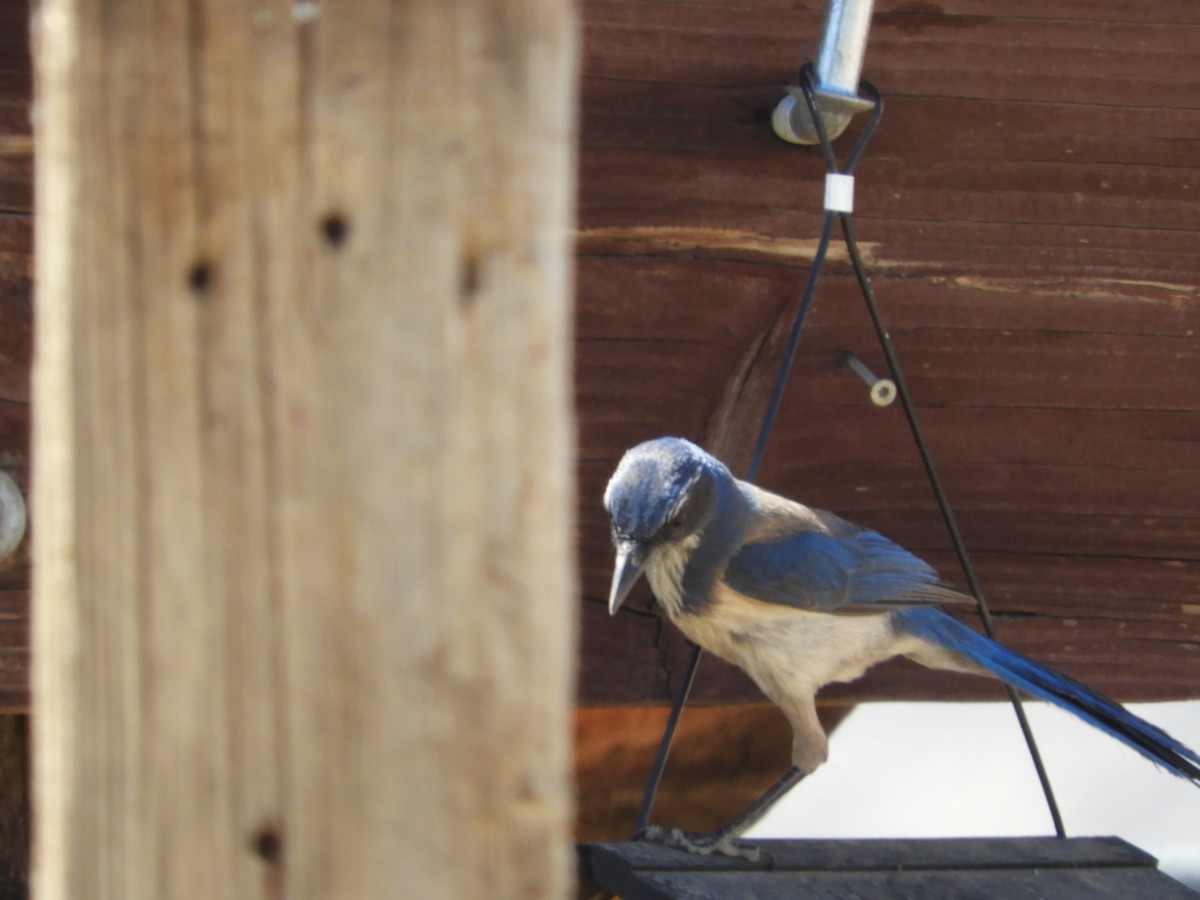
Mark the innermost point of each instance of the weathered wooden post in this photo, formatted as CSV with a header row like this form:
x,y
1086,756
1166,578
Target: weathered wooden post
x,y
303,623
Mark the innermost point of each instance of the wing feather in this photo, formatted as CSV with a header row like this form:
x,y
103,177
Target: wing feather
x,y
851,570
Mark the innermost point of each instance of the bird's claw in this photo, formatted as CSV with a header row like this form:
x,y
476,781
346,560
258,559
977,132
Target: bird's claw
x,y
700,844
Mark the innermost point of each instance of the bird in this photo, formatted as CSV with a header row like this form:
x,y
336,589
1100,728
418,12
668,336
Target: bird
x,y
800,598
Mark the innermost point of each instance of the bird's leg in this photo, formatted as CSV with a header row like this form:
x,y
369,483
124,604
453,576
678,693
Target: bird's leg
x,y
724,841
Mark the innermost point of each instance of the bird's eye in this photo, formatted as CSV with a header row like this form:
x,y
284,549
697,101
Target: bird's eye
x,y
676,523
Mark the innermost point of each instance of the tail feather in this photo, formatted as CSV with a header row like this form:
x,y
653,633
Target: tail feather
x,y
1022,672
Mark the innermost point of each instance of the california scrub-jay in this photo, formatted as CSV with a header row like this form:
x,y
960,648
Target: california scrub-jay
x,y
799,598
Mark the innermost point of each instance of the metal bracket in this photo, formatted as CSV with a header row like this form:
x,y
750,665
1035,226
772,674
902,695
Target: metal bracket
x,y
837,71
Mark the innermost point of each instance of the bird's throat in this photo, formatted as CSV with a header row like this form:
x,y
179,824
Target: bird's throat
x,y
665,569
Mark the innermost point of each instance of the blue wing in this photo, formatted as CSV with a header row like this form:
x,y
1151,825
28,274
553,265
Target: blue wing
x,y
852,570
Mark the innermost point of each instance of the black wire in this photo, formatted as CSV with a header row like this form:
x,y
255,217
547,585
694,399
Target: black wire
x,y
693,660
789,355
689,674
814,273
935,483
768,423
918,433
914,425
664,745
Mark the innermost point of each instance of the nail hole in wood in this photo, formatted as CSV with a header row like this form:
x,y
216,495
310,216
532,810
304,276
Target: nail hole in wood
x,y
470,278
267,844
335,229
200,277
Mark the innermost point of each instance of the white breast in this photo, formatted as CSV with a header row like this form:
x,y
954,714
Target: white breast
x,y
787,651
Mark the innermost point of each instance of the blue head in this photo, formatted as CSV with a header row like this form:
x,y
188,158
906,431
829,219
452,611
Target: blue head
x,y
663,491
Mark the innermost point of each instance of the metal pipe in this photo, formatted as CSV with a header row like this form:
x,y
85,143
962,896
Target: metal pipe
x,y
838,69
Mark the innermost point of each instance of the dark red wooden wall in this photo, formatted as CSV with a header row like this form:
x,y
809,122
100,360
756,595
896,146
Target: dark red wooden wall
x,y
1030,212
1030,208
16,329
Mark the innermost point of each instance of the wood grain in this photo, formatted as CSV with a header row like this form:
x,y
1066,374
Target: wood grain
x,y
14,807
1028,214
303,623
16,109
1074,869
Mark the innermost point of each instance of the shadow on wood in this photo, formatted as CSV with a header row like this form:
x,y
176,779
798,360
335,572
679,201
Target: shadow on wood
x,y
722,759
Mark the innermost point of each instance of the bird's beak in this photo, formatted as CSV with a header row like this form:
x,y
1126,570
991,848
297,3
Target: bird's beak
x,y
631,559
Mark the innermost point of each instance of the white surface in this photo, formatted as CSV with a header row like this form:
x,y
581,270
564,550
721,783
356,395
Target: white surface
x,y
961,769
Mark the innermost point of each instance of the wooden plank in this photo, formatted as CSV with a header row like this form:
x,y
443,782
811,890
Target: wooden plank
x,y
888,868
1084,884
749,744
14,651
16,315
1162,11
1039,141
722,759
1132,11
16,106
728,42
300,516
14,806
16,353
884,854
1068,440
1076,628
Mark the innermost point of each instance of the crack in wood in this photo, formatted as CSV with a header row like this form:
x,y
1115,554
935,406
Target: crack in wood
x,y
676,239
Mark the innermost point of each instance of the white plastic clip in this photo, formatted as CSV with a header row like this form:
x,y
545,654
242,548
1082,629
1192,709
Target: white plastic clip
x,y
839,193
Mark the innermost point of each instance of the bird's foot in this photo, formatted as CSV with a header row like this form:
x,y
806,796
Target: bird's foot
x,y
701,844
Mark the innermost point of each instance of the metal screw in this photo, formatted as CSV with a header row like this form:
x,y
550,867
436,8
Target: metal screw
x,y
12,516
883,390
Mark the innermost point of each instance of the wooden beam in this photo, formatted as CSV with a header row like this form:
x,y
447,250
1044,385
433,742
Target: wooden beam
x,y
16,127
1068,446
303,570
14,806
722,759
1103,868
1023,218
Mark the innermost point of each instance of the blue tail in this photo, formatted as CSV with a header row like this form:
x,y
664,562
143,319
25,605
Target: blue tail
x,y
1022,672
